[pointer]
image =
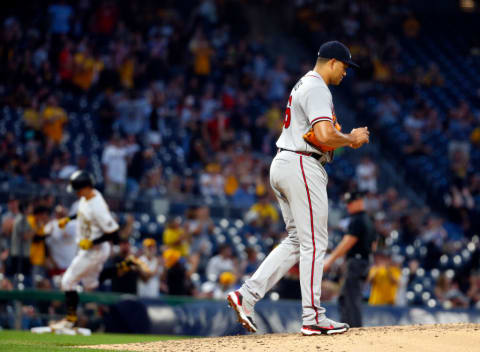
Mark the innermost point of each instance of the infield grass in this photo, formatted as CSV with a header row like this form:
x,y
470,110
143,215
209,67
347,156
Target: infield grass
x,y
25,341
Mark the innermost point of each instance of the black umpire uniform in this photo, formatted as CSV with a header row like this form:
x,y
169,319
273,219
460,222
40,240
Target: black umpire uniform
x,y
357,258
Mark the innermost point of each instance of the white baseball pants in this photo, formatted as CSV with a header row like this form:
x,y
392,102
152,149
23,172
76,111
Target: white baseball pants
x,y
86,268
300,184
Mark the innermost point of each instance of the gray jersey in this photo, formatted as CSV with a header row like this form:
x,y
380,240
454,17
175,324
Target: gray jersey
x,y
310,102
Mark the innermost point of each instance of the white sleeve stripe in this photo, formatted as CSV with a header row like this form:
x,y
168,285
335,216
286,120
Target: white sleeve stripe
x,y
323,118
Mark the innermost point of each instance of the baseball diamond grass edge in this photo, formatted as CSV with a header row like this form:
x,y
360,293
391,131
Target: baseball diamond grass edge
x,y
25,341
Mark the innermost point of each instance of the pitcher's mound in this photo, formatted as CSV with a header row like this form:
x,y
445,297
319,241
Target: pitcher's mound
x,y
424,338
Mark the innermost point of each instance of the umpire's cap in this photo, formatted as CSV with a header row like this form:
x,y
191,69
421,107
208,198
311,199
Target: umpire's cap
x,y
338,51
352,196
80,179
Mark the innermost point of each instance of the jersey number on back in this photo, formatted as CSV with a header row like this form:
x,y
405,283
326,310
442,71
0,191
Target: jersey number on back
x,y
288,114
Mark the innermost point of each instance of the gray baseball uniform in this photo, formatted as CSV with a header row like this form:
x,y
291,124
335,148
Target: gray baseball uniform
x,y
299,181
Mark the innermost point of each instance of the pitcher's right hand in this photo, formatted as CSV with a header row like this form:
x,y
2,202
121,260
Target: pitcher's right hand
x,y
359,136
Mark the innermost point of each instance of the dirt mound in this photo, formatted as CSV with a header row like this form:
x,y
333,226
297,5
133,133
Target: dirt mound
x,y
422,338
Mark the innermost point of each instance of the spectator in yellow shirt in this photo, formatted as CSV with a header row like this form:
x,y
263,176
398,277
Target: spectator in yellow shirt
x,y
267,213
175,237
411,27
382,71
54,118
275,117
32,117
86,69
384,277
202,53
37,222
127,72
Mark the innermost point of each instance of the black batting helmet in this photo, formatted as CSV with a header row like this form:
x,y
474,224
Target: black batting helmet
x,y
80,179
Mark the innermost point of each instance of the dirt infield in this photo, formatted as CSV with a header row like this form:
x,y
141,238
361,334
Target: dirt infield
x,y
424,338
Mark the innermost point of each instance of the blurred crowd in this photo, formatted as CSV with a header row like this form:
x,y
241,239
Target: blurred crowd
x,y
36,251
151,73
186,257
183,103
423,109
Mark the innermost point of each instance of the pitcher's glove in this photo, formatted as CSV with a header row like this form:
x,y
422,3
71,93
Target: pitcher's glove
x,y
85,244
310,138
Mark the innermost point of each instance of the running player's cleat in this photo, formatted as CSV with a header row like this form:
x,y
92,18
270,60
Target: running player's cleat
x,y
243,309
326,326
62,325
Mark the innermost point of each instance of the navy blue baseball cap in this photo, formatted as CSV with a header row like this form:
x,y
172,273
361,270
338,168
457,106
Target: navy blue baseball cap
x,y
338,51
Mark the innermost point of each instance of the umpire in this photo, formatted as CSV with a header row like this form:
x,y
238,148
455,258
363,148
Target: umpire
x,y
357,245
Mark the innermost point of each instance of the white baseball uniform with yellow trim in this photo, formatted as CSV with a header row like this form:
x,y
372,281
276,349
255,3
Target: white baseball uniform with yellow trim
x,y
300,184
93,220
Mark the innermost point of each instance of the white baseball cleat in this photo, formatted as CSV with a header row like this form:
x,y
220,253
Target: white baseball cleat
x,y
326,326
61,331
62,325
243,309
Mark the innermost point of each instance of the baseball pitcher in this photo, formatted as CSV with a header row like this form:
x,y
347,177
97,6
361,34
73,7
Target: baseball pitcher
x,y
309,137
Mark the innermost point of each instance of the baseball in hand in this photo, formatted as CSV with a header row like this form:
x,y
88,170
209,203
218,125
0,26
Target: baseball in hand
x,y
360,136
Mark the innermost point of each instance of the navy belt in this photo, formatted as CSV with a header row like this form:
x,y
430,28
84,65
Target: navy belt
x,y
313,155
